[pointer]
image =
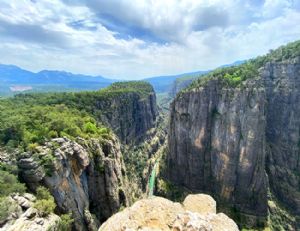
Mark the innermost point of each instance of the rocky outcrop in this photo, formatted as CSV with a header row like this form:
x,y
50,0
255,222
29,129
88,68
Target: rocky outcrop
x,y
233,141
157,213
23,217
84,177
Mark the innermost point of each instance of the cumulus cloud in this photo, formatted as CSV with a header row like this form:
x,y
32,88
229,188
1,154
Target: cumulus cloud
x,y
134,39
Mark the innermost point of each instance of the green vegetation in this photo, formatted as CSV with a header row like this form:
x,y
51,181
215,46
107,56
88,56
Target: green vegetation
x,y
7,207
86,100
234,76
9,184
45,202
65,223
230,76
27,126
28,120
140,87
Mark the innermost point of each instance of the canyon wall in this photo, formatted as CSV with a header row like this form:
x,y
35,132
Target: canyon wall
x,y
236,143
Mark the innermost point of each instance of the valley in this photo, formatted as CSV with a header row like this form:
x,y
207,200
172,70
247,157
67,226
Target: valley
x,y
78,160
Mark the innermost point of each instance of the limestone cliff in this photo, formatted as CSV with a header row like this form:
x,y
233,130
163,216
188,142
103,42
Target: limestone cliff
x,y
85,177
129,115
240,139
198,212
282,84
217,143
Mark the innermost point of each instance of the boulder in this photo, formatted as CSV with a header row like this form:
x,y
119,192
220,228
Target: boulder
x,y
157,213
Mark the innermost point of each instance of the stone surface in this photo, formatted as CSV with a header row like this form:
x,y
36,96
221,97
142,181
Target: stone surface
x,y
34,224
200,203
157,213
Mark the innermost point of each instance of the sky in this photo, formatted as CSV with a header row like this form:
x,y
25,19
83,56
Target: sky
x,y
133,39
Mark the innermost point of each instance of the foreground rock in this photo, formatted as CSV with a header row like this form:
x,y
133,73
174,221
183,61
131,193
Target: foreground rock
x,y
23,217
158,213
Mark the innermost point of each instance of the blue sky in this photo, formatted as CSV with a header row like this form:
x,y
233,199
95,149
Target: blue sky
x,y
132,39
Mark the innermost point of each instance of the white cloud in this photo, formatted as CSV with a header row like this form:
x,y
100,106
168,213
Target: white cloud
x,y
197,35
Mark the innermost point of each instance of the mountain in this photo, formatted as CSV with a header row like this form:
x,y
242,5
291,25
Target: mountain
x,y
14,79
234,134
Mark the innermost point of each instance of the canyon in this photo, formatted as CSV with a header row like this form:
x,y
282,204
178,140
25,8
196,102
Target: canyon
x,y
232,133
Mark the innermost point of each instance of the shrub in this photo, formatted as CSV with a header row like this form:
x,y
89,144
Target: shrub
x,y
90,128
45,202
53,134
7,207
48,162
65,223
9,184
33,147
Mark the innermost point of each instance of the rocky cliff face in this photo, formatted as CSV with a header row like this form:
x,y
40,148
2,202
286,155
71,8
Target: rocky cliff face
x,y
84,177
198,212
130,114
216,145
230,140
282,84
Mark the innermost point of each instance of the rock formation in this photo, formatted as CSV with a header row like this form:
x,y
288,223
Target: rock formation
x,y
130,113
84,177
26,218
198,212
232,141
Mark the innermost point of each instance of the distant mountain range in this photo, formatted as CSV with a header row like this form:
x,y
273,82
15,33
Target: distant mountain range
x,y
14,79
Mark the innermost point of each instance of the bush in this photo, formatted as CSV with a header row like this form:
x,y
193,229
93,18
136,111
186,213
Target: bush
x,y
9,184
45,202
33,147
7,207
90,128
65,223
47,161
